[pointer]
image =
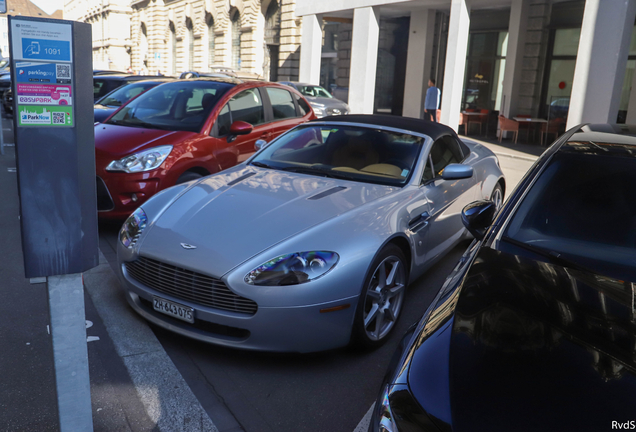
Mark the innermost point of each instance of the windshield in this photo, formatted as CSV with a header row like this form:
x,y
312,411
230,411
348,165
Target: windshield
x,y
582,208
182,106
364,154
313,91
124,93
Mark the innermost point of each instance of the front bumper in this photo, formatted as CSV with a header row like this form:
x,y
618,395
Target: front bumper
x,y
304,328
119,194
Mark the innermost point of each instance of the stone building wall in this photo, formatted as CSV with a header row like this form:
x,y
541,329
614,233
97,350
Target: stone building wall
x,y
126,44
110,21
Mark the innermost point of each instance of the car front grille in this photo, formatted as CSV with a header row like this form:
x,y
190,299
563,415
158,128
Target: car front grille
x,y
104,200
188,285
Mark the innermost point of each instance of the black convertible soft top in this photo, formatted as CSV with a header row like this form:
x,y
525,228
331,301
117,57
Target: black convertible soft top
x,y
433,130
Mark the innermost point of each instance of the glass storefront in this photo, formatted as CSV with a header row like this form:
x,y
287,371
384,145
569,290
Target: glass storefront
x,y
485,65
561,64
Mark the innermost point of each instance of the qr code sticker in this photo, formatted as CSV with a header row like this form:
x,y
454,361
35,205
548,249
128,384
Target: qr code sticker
x,y
63,71
58,118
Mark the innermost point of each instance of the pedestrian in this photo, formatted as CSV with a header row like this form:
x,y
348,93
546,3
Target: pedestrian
x,y
159,72
129,70
431,103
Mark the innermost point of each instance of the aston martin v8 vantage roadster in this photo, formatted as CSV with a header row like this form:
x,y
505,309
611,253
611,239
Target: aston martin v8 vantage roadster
x,y
311,243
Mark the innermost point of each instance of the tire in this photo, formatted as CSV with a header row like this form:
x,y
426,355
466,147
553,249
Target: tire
x,y
379,306
497,196
188,176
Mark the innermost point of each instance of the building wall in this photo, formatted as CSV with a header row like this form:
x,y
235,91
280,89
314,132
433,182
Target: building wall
x,y
110,21
125,44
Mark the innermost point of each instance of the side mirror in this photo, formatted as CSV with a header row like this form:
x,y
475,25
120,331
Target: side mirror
x,y
457,171
240,128
259,144
478,216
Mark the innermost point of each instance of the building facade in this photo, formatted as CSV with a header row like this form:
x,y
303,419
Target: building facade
x,y
110,21
174,36
573,60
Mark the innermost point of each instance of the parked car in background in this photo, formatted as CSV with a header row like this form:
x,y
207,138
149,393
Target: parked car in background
x,y
221,72
180,131
108,72
104,84
311,243
534,328
320,99
110,103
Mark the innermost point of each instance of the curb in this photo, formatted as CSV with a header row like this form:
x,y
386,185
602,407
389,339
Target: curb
x,y
164,394
526,158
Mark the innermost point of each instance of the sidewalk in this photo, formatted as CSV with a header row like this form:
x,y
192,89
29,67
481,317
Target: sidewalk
x,y
134,384
506,148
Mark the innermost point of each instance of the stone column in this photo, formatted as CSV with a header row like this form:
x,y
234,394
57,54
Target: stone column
x,y
418,61
601,61
311,49
455,63
519,11
364,60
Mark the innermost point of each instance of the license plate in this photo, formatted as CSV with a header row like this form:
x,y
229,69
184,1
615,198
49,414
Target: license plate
x,y
176,310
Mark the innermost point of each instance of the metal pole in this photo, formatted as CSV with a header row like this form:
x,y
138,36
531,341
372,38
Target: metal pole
x,y
1,129
70,352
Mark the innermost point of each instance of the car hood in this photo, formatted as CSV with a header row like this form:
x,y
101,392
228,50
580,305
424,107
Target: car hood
x,y
536,344
114,141
232,216
328,102
102,112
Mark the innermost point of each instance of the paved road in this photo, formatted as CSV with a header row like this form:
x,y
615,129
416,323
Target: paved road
x,y
271,392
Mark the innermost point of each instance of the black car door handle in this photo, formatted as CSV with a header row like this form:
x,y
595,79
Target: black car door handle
x,y
419,222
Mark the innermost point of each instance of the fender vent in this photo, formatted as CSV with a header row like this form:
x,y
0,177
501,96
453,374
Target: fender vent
x,y
241,178
327,193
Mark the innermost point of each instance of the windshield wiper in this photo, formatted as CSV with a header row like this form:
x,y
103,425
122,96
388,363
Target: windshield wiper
x,y
319,171
261,165
553,256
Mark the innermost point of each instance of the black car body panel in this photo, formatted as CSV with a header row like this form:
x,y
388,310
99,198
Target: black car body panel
x,y
519,339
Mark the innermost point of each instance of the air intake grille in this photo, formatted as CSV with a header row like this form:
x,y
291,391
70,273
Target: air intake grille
x,y
188,285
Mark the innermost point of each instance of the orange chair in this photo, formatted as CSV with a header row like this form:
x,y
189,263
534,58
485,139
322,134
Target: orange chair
x,y
508,125
439,115
463,121
478,119
551,127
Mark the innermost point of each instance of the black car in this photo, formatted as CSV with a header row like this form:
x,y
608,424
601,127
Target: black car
x,y
104,84
535,328
108,104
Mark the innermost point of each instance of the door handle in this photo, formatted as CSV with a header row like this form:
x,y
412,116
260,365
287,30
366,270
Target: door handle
x,y
419,222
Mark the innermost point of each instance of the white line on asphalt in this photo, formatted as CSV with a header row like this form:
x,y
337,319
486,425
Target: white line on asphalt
x,y
166,397
363,426
92,338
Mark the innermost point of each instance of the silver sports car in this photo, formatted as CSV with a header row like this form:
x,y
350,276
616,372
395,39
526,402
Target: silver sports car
x,y
311,243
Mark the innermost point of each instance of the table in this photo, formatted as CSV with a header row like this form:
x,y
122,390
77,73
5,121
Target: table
x,y
474,113
530,121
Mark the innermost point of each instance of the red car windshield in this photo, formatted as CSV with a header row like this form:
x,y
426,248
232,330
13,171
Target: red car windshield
x,y
179,106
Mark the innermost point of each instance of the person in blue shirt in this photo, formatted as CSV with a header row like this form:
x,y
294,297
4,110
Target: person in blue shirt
x,y
431,103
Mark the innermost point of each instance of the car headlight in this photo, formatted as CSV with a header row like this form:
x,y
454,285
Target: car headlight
x,y
319,109
386,422
143,161
133,227
292,269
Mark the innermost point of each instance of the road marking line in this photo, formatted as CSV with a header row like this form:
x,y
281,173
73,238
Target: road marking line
x,y
363,426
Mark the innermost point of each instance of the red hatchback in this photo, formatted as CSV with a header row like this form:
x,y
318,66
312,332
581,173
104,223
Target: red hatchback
x,y
182,130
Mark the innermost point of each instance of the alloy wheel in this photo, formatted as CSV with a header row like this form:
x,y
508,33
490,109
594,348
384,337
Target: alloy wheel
x,y
384,297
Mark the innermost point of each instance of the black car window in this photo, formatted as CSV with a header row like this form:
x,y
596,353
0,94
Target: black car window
x,y
582,206
443,153
282,103
304,106
183,105
248,107
428,171
224,121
